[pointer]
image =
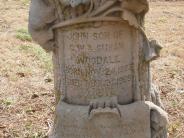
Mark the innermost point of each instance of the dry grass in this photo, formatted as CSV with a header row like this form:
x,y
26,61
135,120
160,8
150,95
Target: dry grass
x,y
26,81
26,95
165,23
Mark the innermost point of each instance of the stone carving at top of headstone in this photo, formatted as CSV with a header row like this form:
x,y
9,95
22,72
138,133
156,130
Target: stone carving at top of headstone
x,y
101,58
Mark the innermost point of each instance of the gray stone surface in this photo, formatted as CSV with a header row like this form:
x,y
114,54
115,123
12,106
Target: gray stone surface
x,y
101,58
98,61
74,122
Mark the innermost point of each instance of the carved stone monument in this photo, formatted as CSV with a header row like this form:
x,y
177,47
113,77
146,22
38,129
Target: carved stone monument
x,y
101,58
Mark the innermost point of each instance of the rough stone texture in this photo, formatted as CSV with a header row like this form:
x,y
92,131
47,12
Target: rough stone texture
x,y
74,122
101,59
98,61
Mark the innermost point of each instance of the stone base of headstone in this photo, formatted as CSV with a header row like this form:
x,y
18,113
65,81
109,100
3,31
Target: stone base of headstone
x,y
131,121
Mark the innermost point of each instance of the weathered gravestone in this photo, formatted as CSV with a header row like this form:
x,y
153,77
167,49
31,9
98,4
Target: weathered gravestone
x,y
101,61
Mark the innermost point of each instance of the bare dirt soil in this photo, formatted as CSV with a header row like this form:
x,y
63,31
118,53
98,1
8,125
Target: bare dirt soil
x,y
26,79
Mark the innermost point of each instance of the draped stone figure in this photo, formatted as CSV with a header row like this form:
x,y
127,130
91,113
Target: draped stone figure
x,y
101,58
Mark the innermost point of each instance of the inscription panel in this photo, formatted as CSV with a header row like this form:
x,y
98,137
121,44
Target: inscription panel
x,y
97,62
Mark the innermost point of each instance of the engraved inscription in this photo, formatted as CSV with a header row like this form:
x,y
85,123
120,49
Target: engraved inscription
x,y
98,62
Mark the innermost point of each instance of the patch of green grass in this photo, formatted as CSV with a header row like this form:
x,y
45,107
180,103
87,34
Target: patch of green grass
x,y
31,132
40,54
174,103
174,126
25,2
38,135
7,102
28,125
23,35
162,20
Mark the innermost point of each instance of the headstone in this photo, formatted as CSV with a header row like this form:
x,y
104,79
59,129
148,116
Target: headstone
x,y
101,58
